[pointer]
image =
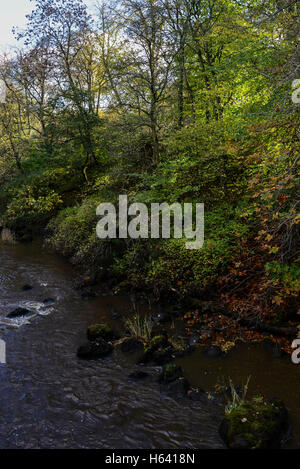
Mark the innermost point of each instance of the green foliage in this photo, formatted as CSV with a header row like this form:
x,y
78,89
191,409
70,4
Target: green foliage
x,y
27,210
74,227
197,164
169,265
237,399
286,274
140,327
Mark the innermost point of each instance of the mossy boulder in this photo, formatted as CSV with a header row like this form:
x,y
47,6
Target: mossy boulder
x,y
160,351
100,331
255,424
94,350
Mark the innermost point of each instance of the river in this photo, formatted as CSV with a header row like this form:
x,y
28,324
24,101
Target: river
x,y
51,399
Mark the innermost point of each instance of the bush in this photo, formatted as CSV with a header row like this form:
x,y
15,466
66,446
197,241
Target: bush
x,y
167,264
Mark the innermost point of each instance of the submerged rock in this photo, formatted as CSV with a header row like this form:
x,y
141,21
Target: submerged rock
x,y
196,394
93,350
172,380
18,312
85,281
170,372
138,375
100,331
179,386
27,287
256,424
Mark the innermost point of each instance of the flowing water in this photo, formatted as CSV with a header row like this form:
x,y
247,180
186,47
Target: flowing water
x,y
51,399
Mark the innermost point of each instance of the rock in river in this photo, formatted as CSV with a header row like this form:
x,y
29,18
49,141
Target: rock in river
x,y
100,331
93,350
255,424
172,380
170,372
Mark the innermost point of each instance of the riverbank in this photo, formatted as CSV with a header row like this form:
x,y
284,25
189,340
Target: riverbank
x,y
201,321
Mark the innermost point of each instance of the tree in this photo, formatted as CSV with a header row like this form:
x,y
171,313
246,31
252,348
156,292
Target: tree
x,y
63,26
146,68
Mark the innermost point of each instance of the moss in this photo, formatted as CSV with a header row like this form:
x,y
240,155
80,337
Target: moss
x,y
100,331
255,424
159,350
159,341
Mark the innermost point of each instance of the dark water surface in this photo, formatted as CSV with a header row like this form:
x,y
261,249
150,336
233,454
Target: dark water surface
x,y
51,399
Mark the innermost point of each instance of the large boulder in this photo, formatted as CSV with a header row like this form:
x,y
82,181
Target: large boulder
x,y
256,424
93,350
100,331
